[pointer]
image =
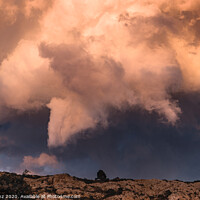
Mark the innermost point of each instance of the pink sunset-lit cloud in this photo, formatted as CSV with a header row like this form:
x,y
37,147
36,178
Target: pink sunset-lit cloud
x,y
35,163
79,58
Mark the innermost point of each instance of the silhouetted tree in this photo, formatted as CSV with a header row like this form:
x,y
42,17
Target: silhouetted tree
x,y
101,175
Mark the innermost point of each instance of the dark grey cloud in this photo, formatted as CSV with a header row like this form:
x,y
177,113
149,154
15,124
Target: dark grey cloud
x,y
134,145
24,134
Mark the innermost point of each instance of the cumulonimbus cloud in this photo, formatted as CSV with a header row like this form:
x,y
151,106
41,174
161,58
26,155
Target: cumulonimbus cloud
x,y
79,58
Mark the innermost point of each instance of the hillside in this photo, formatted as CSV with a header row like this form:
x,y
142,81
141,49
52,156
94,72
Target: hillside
x,y
64,186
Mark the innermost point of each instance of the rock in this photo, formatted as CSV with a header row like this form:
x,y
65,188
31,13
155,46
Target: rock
x,y
77,188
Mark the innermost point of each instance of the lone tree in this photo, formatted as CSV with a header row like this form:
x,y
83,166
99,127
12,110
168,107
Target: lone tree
x,y
101,175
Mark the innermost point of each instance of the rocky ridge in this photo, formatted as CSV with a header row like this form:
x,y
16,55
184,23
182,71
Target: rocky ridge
x,y
64,186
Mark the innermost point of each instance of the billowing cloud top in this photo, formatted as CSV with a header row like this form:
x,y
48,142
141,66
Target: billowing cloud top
x,y
79,58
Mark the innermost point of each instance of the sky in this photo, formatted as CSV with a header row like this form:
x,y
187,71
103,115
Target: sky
x,y
88,85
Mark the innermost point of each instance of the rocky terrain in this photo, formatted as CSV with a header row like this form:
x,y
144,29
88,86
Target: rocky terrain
x,y
64,186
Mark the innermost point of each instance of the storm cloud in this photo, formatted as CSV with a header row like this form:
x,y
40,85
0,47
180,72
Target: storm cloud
x,y
82,59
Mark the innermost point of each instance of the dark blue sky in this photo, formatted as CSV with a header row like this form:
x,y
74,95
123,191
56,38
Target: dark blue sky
x,y
136,144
